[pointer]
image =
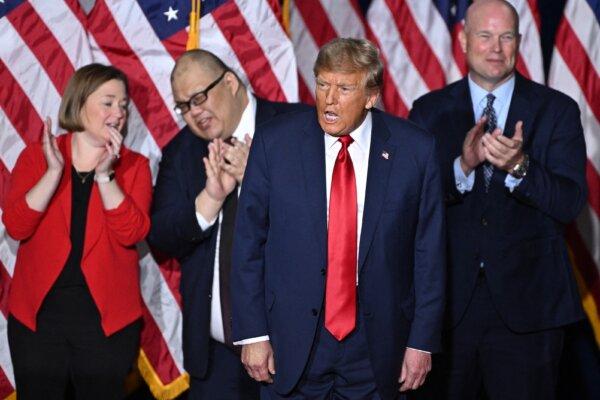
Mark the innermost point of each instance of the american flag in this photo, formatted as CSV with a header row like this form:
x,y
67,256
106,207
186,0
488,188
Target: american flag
x,y
43,42
574,71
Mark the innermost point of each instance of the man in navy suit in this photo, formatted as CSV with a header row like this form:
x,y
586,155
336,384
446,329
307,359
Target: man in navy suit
x,y
338,264
194,209
513,165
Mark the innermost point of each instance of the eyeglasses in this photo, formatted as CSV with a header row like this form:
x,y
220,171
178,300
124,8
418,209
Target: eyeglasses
x,y
182,107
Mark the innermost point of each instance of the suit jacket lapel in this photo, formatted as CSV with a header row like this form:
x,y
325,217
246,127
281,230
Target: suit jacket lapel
x,y
313,166
377,182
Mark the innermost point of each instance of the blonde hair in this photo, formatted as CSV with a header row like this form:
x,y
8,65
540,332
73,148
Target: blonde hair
x,y
351,55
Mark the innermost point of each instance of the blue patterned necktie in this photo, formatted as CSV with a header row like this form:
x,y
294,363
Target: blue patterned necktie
x,y
490,125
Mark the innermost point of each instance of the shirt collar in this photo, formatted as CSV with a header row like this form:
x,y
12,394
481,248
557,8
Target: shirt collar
x,y
361,135
248,119
502,93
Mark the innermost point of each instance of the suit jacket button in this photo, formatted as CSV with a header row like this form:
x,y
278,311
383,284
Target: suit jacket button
x,y
484,221
210,295
323,271
314,312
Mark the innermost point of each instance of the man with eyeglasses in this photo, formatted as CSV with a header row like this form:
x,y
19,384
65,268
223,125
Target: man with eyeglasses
x,y
194,208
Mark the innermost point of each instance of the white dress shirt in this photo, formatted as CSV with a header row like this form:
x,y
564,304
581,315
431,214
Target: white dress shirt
x,y
246,126
503,95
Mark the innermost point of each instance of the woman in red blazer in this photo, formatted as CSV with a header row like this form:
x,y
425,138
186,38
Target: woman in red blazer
x,y
78,204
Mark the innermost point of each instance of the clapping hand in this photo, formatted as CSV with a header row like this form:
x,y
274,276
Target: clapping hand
x,y
218,182
54,158
235,157
503,152
113,147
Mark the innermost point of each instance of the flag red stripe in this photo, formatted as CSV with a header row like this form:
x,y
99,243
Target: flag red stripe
x,y
252,58
304,92
79,13
144,94
584,263
390,96
171,272
417,45
156,349
536,13
522,67
5,280
18,107
593,181
6,388
42,44
316,21
459,56
175,44
4,181
579,63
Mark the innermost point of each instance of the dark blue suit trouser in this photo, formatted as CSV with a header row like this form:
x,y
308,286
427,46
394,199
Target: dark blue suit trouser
x,y
336,370
481,353
226,378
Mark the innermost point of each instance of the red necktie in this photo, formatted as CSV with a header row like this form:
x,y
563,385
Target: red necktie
x,y
340,289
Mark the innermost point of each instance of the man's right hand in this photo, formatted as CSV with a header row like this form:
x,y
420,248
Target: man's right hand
x,y
473,152
218,182
259,361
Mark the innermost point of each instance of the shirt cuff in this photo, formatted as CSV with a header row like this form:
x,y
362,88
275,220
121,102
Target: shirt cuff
x,y
422,351
203,223
463,182
511,182
252,340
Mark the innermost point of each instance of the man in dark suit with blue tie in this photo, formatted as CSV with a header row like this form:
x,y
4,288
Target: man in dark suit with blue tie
x,y
513,165
194,209
338,264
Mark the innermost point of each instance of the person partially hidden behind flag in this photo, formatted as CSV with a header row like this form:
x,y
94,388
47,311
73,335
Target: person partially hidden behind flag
x,y
513,162
194,208
338,263
78,204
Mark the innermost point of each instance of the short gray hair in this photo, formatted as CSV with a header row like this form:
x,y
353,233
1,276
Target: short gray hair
x,y
351,55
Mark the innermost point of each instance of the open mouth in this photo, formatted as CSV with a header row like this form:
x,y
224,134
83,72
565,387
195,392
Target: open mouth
x,y
204,123
331,117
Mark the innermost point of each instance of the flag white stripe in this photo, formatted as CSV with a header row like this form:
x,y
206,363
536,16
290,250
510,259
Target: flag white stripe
x,y
11,143
530,48
561,78
56,15
434,29
162,305
343,18
32,78
305,47
5,362
147,47
8,249
587,28
407,80
274,42
212,39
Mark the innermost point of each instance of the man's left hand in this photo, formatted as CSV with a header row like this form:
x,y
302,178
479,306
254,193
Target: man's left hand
x,y
415,367
236,155
502,152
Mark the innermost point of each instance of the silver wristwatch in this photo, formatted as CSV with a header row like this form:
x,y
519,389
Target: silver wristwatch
x,y
520,169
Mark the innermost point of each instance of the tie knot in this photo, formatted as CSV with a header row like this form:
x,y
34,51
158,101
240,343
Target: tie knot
x,y
490,99
346,141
